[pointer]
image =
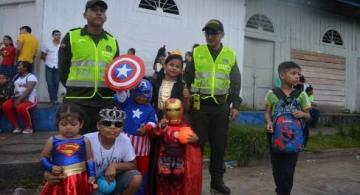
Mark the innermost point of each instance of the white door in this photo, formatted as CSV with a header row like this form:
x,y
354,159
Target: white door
x,y
258,71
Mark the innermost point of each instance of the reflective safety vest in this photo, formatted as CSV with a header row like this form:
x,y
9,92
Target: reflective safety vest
x,y
212,78
88,64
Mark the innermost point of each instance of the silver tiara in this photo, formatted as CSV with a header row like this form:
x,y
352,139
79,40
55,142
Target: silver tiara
x,y
112,114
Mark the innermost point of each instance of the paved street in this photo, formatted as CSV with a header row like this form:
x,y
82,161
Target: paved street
x,y
336,175
329,176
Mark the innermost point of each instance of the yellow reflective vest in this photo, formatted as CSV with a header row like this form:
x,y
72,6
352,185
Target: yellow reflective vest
x,y
88,64
212,77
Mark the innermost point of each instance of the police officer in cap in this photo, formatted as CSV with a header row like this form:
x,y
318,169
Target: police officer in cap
x,y
83,56
214,81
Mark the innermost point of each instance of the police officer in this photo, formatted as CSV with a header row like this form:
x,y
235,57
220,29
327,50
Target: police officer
x,y
83,56
214,80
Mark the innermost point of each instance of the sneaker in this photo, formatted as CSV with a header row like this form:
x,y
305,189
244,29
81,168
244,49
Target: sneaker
x,y
17,130
28,131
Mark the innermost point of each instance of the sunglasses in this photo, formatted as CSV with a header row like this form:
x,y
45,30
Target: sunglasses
x,y
109,123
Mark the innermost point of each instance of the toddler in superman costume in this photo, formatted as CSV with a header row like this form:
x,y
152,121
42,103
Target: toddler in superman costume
x,y
179,162
69,154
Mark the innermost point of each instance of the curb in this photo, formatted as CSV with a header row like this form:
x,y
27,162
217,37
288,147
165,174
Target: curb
x,y
304,156
17,173
330,153
13,172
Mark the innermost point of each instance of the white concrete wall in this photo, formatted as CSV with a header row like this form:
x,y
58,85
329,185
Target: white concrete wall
x,y
302,27
148,30
141,29
17,13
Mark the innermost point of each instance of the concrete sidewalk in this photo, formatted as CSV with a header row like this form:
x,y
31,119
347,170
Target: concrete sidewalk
x,y
330,176
325,173
333,175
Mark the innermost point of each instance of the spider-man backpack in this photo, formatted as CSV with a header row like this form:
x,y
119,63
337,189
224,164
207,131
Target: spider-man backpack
x,y
288,135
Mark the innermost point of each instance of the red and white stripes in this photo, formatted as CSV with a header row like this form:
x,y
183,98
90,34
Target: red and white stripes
x,y
141,144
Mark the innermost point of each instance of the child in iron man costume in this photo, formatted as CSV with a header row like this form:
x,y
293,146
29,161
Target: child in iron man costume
x,y
179,162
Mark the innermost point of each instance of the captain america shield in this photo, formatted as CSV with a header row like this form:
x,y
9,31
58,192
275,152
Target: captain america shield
x,y
124,72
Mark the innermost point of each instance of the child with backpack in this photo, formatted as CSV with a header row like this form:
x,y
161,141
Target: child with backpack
x,y
286,110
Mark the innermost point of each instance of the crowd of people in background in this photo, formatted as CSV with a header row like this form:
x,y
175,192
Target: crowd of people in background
x,y
27,46
16,69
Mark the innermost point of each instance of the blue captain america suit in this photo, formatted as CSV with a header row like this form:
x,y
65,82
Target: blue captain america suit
x,y
139,115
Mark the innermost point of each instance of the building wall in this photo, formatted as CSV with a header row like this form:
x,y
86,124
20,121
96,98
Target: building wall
x,y
302,27
146,30
141,29
17,13
357,100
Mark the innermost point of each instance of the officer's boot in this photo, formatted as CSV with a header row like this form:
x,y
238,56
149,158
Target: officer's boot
x,y
219,186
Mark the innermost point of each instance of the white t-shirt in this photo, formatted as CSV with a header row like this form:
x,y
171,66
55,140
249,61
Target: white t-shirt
x,y
51,50
122,151
20,86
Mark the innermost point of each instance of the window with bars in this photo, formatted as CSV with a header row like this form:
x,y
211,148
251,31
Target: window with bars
x,y
259,21
7,2
167,6
332,37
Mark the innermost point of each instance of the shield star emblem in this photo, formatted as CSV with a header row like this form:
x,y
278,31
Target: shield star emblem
x,y
124,72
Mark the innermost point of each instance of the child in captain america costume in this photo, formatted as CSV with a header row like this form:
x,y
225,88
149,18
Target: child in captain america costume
x,y
69,154
179,161
139,124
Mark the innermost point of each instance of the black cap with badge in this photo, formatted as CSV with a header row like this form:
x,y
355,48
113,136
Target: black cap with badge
x,y
214,25
92,3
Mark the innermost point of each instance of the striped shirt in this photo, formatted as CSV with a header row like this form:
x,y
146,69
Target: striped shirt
x,y
137,115
141,144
